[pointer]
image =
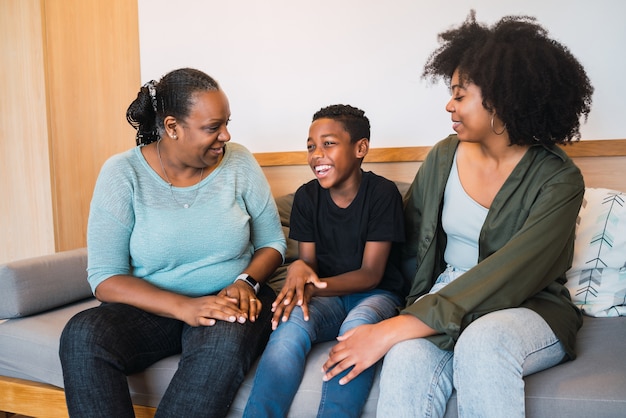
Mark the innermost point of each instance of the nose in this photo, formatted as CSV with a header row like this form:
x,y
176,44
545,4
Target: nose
x,y
224,135
450,105
317,152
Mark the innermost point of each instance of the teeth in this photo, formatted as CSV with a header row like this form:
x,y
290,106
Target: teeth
x,y
321,168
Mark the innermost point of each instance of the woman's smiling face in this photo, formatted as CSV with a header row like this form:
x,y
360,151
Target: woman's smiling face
x,y
470,120
204,132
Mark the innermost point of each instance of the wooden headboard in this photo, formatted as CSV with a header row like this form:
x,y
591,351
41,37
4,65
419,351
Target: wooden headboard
x,y
603,163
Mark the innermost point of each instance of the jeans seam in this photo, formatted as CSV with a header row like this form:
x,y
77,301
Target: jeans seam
x,y
435,382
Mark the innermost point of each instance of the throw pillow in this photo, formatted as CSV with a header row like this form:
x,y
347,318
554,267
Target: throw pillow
x,y
41,283
597,278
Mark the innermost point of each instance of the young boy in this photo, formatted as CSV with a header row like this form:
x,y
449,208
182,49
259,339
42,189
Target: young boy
x,y
345,223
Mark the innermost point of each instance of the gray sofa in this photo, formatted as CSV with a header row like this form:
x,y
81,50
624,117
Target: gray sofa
x,y
40,294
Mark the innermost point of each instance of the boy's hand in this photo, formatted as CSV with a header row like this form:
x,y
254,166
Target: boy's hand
x,y
282,312
299,275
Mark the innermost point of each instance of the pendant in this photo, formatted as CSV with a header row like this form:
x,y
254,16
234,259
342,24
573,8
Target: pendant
x,y
186,205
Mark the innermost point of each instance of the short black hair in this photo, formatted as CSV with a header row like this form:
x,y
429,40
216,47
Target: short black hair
x,y
534,83
353,120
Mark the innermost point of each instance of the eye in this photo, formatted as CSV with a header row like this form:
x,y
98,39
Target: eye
x,y
458,98
328,144
214,128
310,147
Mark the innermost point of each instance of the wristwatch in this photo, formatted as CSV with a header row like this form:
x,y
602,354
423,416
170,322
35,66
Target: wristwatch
x,y
248,279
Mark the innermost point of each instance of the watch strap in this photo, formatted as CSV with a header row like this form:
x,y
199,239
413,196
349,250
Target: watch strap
x,y
250,280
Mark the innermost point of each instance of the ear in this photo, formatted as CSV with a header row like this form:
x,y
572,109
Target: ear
x,y
170,126
362,147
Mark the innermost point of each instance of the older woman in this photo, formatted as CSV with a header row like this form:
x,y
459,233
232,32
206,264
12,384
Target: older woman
x,y
183,230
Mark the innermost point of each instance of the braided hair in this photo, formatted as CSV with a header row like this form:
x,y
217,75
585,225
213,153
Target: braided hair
x,y
171,96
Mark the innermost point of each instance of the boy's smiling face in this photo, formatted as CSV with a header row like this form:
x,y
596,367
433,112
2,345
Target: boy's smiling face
x,y
334,159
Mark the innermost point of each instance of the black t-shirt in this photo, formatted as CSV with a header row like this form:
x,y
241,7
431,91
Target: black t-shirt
x,y
340,234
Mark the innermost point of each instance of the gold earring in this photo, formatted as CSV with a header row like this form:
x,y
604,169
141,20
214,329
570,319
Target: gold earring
x,y
494,131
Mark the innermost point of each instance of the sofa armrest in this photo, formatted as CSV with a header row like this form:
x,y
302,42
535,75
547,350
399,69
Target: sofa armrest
x,y
38,284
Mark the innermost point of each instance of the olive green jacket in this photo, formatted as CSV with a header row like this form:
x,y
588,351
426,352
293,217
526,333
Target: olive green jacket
x,y
525,246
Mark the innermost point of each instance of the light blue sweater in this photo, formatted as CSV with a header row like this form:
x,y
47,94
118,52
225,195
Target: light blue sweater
x,y
137,227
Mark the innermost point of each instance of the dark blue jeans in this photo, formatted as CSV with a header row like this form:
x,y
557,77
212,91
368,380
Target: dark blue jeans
x,y
101,346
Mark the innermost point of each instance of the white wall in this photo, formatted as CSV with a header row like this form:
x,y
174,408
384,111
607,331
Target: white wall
x,y
279,61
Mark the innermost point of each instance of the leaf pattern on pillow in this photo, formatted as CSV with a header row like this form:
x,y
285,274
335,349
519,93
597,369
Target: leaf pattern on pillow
x,y
597,279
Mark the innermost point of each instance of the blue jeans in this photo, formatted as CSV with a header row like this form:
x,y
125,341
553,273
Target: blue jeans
x,y
487,366
282,364
101,346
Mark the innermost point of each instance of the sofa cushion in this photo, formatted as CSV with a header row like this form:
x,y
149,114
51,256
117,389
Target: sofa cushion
x,y
593,385
597,279
30,350
40,283
283,203
30,345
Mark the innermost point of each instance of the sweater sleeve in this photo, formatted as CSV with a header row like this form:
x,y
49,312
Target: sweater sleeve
x,y
260,204
110,224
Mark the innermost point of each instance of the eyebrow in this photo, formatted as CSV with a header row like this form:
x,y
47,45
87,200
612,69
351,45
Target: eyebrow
x,y
455,87
323,136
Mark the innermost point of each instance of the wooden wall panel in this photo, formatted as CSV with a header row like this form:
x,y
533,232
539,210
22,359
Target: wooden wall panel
x,y
286,171
92,49
25,198
69,70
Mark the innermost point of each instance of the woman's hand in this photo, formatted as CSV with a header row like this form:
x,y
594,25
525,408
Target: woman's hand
x,y
360,347
207,310
293,293
242,294
235,303
364,345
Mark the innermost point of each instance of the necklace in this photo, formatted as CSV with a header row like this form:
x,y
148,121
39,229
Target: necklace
x,y
184,205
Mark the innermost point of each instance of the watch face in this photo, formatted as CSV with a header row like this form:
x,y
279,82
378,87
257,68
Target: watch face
x,y
248,279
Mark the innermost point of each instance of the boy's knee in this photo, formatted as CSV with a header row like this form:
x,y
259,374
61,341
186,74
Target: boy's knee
x,y
293,333
375,309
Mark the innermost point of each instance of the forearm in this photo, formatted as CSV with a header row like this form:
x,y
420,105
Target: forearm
x,y
354,281
264,262
363,346
401,328
139,293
